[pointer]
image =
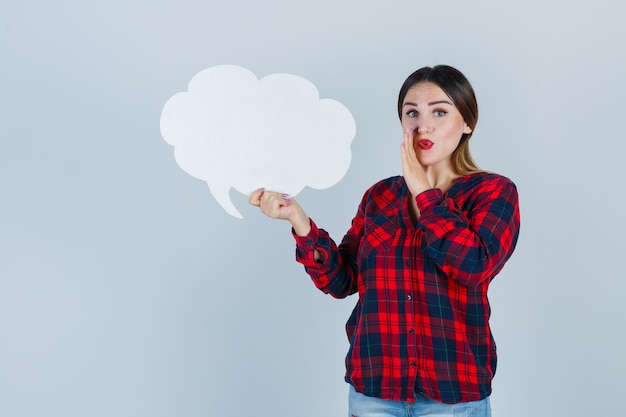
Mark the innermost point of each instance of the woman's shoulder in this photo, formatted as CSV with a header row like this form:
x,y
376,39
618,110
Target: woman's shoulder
x,y
482,186
385,193
484,178
385,185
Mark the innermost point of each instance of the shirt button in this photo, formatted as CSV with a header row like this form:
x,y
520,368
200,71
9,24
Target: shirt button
x,y
408,263
408,297
411,331
413,364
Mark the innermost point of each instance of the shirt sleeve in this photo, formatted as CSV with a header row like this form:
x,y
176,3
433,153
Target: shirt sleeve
x,y
472,246
336,272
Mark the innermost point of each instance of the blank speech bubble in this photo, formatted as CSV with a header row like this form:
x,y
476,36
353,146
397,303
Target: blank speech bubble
x,y
233,130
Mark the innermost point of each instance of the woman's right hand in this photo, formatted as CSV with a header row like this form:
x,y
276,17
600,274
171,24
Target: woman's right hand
x,y
279,206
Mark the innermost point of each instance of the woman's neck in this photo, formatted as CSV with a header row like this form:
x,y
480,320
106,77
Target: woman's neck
x,y
441,177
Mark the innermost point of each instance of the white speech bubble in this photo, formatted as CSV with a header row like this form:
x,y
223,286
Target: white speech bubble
x,y
233,130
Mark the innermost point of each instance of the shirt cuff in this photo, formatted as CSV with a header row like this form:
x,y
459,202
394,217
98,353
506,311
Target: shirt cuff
x,y
428,199
307,245
310,239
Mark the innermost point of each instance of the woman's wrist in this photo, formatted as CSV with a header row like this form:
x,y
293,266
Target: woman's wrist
x,y
301,223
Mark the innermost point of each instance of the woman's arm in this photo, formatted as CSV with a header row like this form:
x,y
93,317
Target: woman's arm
x,y
332,268
471,248
334,272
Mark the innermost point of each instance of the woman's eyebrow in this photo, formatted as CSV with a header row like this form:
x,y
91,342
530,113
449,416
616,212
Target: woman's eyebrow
x,y
432,103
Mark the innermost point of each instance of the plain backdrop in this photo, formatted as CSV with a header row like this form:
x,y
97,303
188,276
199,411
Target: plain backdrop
x,y
126,290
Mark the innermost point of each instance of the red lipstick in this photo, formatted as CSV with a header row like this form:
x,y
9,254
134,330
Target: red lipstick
x,y
425,144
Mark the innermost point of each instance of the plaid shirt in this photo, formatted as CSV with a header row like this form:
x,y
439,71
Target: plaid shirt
x,y
421,323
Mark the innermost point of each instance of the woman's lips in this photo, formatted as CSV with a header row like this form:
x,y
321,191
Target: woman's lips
x,y
425,144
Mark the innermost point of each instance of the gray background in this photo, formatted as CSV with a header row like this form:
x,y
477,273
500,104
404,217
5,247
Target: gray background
x,y
126,290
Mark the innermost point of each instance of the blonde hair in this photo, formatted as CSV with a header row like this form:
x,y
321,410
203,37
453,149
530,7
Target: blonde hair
x,y
462,161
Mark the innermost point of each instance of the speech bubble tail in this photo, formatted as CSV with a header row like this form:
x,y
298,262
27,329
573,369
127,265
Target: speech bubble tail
x,y
221,195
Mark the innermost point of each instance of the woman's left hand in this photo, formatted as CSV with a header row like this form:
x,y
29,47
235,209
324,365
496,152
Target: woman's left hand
x,y
412,170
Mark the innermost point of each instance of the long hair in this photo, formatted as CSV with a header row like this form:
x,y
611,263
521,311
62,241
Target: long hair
x,y
460,91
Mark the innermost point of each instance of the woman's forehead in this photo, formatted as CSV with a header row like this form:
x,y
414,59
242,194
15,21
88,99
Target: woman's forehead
x,y
425,91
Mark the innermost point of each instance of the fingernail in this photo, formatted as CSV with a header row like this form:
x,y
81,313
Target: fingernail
x,y
284,195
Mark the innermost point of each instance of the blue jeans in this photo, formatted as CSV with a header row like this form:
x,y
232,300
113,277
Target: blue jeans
x,y
363,406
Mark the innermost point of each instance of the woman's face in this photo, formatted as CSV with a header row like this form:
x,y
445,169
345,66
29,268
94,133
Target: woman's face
x,y
437,124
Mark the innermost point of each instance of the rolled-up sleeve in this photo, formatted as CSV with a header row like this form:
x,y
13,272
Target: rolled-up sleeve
x,y
472,247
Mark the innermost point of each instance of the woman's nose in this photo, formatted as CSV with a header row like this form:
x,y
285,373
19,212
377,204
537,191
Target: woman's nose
x,y
424,128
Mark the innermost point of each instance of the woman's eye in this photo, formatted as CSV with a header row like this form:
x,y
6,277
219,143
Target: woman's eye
x,y
411,113
440,113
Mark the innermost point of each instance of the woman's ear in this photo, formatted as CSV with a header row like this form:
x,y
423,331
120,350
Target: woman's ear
x,y
467,129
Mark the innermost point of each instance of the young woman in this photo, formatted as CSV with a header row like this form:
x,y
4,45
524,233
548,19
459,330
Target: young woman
x,y
421,252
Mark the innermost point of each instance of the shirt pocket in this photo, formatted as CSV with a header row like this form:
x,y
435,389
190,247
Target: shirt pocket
x,y
378,234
